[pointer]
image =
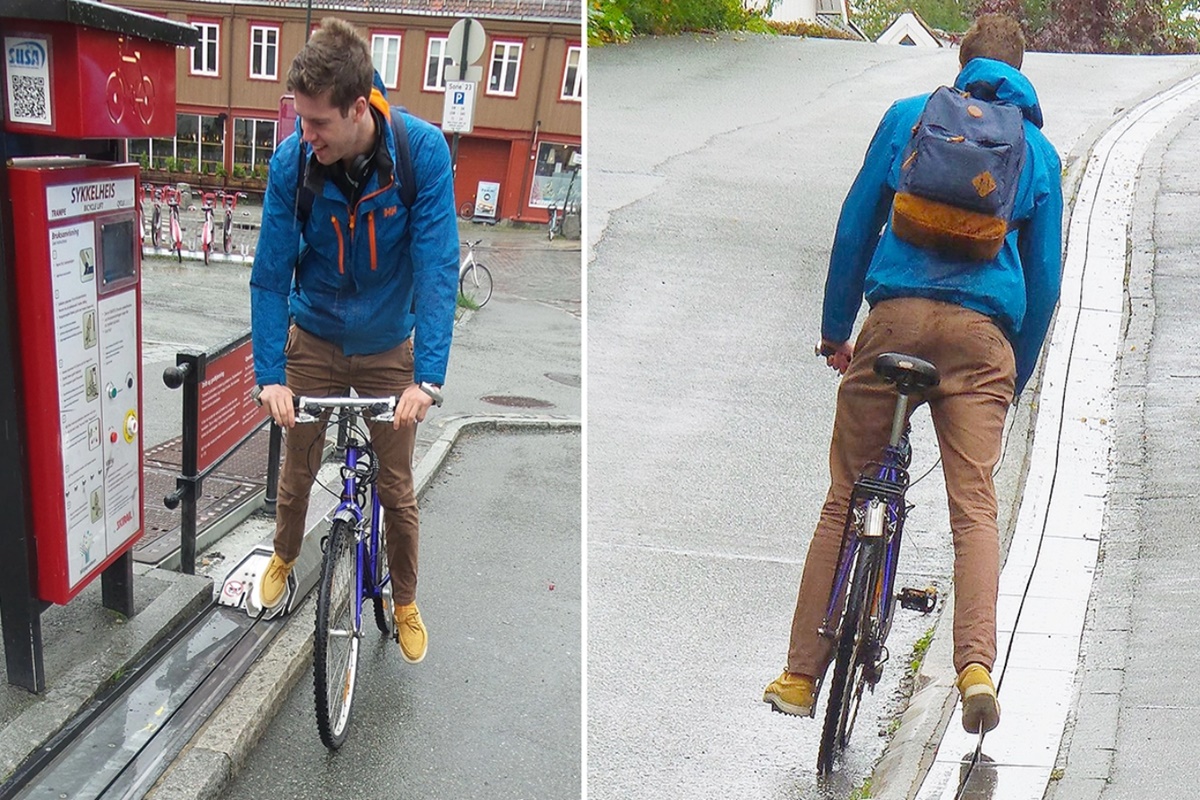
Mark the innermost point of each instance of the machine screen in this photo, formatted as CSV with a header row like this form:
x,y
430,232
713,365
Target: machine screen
x,y
117,240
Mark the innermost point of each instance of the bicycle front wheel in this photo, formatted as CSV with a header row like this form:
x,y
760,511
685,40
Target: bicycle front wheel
x,y
156,227
385,608
476,285
335,648
849,663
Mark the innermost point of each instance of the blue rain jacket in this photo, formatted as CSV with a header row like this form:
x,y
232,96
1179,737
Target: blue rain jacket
x,y
1018,289
366,277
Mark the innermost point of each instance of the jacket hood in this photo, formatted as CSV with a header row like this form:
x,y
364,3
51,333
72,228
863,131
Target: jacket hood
x,y
986,77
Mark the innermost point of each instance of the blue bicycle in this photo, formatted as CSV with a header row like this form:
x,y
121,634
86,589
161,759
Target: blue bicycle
x,y
354,568
861,599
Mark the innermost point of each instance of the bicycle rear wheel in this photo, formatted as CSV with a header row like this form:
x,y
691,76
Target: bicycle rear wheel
x,y
849,664
335,648
476,285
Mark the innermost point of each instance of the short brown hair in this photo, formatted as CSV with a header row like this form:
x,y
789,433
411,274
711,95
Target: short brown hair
x,y
336,60
995,36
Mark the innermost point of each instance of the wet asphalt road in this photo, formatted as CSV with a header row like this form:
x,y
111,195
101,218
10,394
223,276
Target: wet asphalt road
x,y
717,168
493,712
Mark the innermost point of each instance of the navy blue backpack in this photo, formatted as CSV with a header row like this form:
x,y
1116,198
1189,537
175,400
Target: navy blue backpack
x,y
959,174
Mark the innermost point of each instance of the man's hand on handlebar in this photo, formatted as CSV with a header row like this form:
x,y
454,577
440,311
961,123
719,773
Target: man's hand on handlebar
x,y
837,354
411,407
277,400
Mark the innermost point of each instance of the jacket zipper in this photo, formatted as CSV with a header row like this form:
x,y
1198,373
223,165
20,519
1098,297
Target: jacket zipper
x,y
337,227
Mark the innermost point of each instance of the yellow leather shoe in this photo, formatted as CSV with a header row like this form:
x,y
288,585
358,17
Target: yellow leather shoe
x,y
414,639
273,581
793,694
981,706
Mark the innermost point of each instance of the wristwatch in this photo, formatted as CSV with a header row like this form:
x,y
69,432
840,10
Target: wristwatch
x,y
434,390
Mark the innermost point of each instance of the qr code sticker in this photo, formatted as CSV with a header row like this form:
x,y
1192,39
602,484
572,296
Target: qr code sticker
x,y
29,98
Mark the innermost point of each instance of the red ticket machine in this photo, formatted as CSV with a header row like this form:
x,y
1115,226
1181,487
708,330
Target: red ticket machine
x,y
78,305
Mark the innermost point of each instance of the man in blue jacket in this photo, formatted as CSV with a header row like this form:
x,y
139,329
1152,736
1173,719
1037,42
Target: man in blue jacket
x,y
981,323
370,286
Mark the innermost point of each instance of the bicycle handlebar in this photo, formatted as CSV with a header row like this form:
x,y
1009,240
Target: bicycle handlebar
x,y
308,409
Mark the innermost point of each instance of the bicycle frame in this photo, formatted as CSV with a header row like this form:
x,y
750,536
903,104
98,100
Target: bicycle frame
x,y
877,512
368,542
468,260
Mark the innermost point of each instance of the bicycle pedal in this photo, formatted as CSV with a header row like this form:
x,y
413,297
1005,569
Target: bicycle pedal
x,y
923,600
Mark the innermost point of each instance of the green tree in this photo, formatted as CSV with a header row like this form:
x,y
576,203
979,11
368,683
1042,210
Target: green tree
x,y
874,16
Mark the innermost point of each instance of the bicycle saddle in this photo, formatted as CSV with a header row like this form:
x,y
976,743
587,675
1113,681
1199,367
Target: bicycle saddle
x,y
909,373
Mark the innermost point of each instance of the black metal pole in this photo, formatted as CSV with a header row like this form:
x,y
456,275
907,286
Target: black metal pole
x,y
462,76
187,526
20,610
116,585
188,373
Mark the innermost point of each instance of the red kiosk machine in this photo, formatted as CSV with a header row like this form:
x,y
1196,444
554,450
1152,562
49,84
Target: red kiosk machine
x,y
77,76
79,312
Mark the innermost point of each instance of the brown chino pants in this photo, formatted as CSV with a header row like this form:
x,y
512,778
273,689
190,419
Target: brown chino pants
x,y
977,371
317,368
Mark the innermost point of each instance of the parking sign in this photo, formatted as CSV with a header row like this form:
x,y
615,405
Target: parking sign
x,y
458,111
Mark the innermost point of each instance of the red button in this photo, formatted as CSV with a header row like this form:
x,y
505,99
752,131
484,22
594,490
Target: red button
x,y
113,437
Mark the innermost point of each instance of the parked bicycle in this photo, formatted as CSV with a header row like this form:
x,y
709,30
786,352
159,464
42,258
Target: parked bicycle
x,y
861,600
229,200
208,204
559,213
474,279
354,568
156,196
173,199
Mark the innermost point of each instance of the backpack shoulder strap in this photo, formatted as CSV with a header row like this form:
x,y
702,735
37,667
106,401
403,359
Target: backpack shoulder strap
x,y
404,165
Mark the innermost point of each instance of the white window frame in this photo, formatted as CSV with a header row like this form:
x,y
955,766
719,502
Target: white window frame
x,y
439,84
387,38
214,69
263,48
573,92
507,63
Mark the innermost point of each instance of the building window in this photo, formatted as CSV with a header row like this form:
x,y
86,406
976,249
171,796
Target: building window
x,y
556,176
204,55
572,88
506,63
264,52
253,145
436,62
385,54
199,143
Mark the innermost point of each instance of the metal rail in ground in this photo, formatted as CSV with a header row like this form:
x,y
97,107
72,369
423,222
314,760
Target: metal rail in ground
x,y
124,741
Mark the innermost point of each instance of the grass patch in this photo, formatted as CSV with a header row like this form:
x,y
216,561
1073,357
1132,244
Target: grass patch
x,y
467,303
920,648
862,792
811,30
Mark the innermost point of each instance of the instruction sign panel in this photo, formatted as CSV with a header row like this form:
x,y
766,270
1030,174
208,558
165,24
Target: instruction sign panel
x,y
458,110
78,309
227,413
